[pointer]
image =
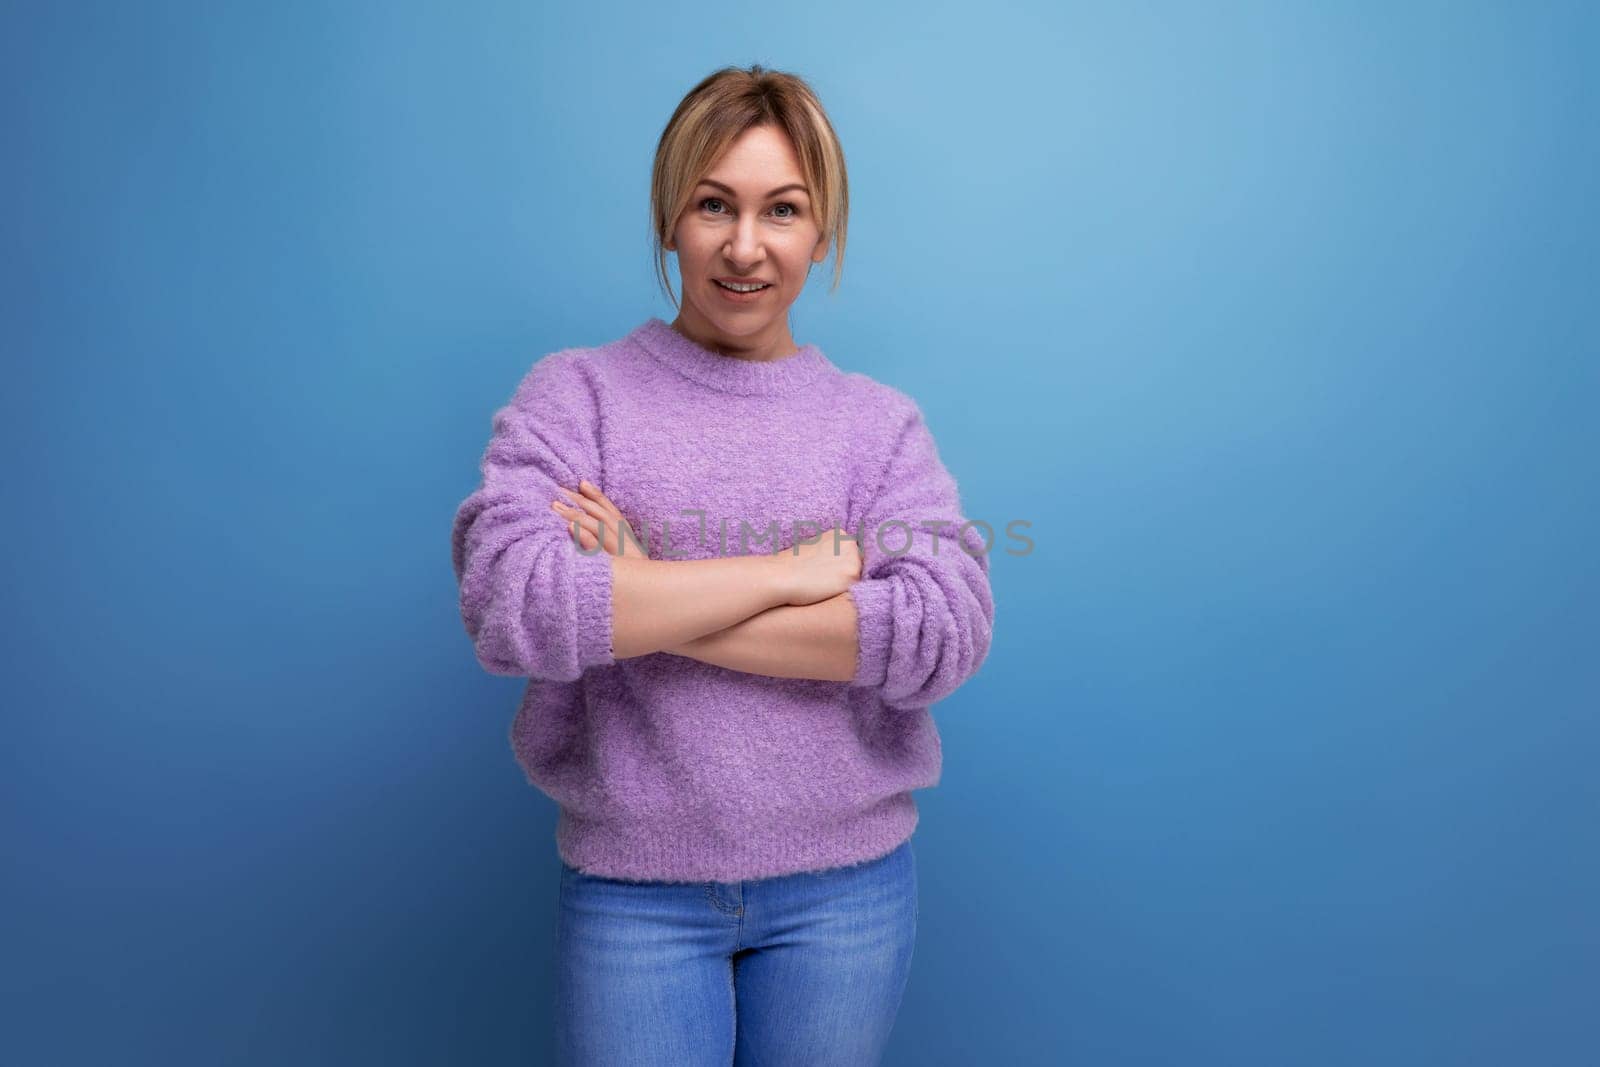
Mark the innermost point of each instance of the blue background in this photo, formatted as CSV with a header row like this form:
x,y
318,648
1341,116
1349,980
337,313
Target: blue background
x,y
1275,321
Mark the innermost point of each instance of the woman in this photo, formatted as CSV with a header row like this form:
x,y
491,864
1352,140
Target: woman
x,y
736,578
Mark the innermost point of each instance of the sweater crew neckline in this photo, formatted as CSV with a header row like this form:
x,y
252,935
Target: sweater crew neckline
x,y
730,374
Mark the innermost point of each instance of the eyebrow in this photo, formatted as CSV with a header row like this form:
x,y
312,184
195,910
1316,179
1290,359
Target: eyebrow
x,y
780,189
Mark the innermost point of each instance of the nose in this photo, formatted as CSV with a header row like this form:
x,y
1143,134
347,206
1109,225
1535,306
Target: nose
x,y
743,249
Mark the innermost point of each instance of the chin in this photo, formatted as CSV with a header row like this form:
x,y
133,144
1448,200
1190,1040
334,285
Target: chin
x,y
736,322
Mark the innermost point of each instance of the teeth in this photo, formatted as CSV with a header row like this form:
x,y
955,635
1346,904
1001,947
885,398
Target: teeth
x,y
742,288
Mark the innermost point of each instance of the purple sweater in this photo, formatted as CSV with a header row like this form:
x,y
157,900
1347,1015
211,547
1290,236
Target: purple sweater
x,y
665,767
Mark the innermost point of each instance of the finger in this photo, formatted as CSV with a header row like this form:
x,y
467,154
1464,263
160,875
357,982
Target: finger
x,y
599,532
586,532
583,503
607,524
573,515
615,520
608,516
591,509
583,538
579,534
592,493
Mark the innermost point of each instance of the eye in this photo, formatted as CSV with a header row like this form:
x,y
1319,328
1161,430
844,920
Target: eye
x,y
793,212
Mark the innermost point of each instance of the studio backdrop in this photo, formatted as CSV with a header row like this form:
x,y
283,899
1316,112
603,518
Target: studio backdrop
x,y
1261,335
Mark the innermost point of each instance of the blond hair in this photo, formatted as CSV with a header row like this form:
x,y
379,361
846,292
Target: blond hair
x,y
717,112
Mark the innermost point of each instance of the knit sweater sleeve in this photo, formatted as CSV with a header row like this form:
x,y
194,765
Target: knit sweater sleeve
x,y
533,603
924,609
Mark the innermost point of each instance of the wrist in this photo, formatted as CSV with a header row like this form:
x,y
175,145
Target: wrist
x,y
775,578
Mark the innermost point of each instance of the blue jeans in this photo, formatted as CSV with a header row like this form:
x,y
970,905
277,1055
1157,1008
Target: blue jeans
x,y
803,968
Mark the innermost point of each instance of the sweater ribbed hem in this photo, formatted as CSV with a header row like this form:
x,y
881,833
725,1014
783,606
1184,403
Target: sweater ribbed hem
x,y
670,852
874,602
593,577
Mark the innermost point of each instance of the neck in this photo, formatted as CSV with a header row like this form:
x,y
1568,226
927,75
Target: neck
x,y
773,343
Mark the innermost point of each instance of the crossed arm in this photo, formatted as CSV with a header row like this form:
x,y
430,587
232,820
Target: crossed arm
x,y
911,622
733,611
810,641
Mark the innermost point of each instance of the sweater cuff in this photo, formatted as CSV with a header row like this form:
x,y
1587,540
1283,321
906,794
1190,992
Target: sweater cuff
x,y
873,598
591,574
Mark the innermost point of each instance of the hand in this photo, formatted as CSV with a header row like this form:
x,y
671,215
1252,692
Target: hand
x,y
813,570
588,511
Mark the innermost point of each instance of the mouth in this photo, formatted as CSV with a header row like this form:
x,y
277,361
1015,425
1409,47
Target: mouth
x,y
741,291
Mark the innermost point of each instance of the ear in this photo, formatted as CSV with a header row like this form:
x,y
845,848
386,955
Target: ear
x,y
821,252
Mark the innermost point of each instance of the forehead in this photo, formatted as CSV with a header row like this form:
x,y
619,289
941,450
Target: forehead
x,y
758,162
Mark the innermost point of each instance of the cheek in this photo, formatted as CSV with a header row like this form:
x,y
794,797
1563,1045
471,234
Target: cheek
x,y
689,242
693,241
796,265
797,253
